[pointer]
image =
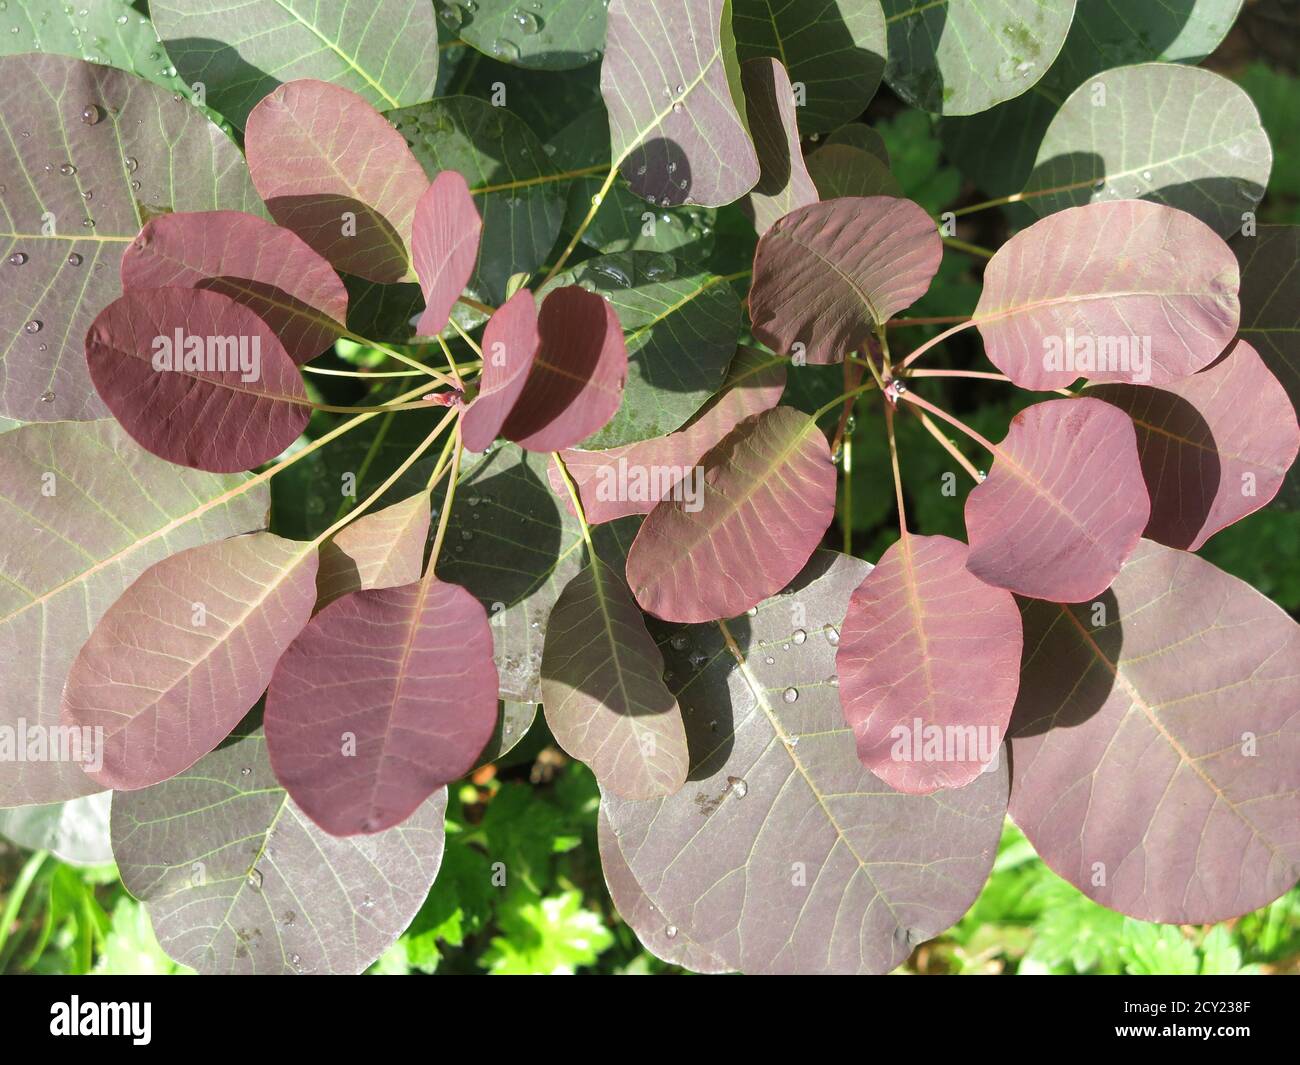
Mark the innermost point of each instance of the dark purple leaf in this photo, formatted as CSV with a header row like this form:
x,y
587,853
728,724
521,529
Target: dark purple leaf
x,y
784,183
510,344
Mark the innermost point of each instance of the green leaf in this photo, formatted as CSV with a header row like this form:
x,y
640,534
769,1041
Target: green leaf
x,y
681,324
131,948
1157,950
384,50
561,35
547,936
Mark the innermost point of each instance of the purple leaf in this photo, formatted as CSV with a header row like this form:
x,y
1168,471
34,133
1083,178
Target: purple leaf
x,y
85,511
767,498
237,879
928,662
387,695
196,378
444,247
603,690
182,655
1214,446
671,84
382,549
576,381
332,170
633,479
826,275
1126,291
662,939
139,153
1155,749
1064,504
510,345
784,183
269,270
782,854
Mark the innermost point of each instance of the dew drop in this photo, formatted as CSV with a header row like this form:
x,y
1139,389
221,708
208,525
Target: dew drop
x,y
246,771
790,695
288,918
680,642
67,169
752,612
91,114
47,397
507,50
799,636
671,931
74,259
738,787
255,879
34,326
678,108
528,23
18,258
832,635
368,902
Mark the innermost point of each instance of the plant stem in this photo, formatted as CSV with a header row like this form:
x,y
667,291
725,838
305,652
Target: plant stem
x,y
387,408
482,308
465,337
939,339
821,412
17,893
947,444
577,501
357,338
391,480
957,423
846,463
970,249
448,499
363,375
451,362
596,201
898,477
983,374
946,319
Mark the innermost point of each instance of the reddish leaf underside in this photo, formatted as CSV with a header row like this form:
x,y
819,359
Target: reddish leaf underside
x,y
1215,446
382,549
633,479
510,343
826,275
576,381
1126,291
332,170
387,695
603,689
183,654
928,665
784,183
155,358
1155,746
1064,504
767,498
267,268
444,247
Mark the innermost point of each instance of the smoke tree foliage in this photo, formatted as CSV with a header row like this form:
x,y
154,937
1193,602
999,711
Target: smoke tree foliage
x,y
594,244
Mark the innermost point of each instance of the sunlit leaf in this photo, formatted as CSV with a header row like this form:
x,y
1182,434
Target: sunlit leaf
x,y
671,83
768,496
1063,505
268,269
784,183
1133,292
444,247
928,662
86,511
141,153
237,879
75,831
222,394
177,661
826,275
1154,745
385,696
381,549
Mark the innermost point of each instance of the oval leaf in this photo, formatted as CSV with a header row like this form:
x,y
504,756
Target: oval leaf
x,y
783,854
408,678
825,276
1214,446
510,344
784,183
1133,291
836,51
603,690
237,879
114,511
179,659
929,663
1155,742
956,57
270,270
1168,133
382,549
384,50
1064,504
561,37
68,272
180,367
671,83
332,170
576,381
444,246
839,170
632,480
767,499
